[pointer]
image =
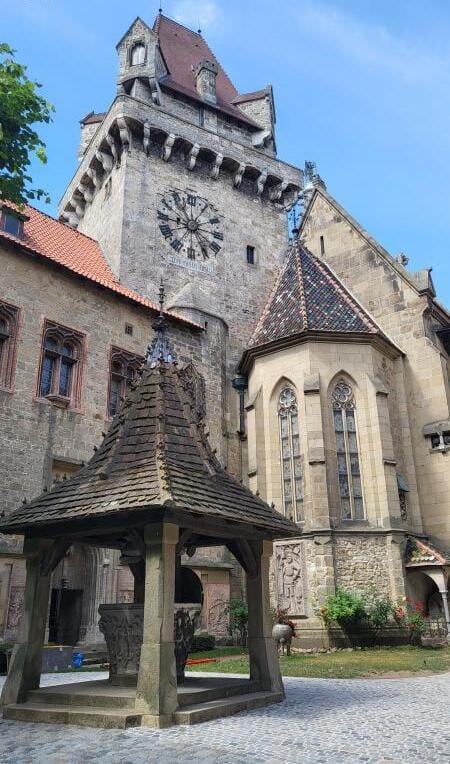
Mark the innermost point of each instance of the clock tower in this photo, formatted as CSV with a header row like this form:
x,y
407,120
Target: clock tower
x,y
179,180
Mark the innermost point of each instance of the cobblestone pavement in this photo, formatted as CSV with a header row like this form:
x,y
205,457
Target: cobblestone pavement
x,y
382,721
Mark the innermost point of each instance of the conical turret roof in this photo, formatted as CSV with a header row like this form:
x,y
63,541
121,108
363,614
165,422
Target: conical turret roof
x,y
308,296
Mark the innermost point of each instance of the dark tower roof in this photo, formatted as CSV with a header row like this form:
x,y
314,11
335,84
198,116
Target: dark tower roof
x,y
309,297
182,49
155,457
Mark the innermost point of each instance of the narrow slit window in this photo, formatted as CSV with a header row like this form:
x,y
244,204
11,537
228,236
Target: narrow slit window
x,y
349,474
291,464
250,255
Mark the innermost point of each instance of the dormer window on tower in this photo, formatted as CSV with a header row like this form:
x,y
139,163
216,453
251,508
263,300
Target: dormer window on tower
x,y
137,55
205,74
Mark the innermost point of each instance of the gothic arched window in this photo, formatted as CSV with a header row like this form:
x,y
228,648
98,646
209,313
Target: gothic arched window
x,y
123,370
8,334
349,475
291,465
138,54
60,374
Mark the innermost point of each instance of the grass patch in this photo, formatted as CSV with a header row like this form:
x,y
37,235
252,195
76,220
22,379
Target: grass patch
x,y
346,665
218,652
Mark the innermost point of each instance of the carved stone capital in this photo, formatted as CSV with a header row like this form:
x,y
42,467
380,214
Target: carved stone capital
x,y
192,158
124,133
261,182
146,138
238,175
106,160
216,166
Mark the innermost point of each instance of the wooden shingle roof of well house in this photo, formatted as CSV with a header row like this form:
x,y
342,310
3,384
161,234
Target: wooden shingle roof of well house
x,y
155,463
309,301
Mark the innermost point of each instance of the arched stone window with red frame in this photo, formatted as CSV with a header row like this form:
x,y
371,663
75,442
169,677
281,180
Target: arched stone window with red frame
x,y
61,365
9,325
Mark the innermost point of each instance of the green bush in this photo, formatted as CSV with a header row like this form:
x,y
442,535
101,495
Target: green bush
x,y
344,607
203,642
379,612
238,611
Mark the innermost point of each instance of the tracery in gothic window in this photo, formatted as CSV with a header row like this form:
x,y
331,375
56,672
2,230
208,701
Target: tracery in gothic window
x,y
123,370
349,474
60,373
8,334
291,464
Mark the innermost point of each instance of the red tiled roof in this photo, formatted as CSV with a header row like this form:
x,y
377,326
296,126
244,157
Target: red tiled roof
x,y
182,50
308,296
58,242
93,118
256,95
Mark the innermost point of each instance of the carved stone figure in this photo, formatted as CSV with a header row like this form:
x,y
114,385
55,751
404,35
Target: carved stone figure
x,y
290,574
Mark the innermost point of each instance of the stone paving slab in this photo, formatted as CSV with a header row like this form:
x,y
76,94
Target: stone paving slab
x,y
322,721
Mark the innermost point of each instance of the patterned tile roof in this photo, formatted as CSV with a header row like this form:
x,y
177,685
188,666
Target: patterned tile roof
x,y
155,455
182,50
58,242
421,553
308,296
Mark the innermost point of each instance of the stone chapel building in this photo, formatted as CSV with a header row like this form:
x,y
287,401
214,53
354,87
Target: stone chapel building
x,y
325,360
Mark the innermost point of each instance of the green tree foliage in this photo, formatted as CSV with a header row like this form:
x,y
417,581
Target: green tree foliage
x,y
238,611
21,107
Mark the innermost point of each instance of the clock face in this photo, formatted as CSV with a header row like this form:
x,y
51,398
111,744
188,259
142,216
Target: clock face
x,y
190,225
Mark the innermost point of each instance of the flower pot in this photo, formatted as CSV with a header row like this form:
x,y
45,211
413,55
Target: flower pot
x,y
282,633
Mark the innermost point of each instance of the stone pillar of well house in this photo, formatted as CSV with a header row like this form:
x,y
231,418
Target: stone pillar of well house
x,y
25,669
156,696
264,667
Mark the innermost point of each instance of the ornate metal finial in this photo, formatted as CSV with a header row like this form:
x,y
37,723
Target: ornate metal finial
x,y
160,9
162,296
160,348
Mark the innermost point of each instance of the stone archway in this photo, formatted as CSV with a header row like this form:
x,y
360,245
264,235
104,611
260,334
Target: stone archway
x,y
430,585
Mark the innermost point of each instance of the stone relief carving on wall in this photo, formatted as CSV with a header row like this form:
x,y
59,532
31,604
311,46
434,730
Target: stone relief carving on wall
x,y
218,600
15,608
290,572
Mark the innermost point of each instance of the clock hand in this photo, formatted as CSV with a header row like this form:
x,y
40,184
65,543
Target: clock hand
x,y
202,211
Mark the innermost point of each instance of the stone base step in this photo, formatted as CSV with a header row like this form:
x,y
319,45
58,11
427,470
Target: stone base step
x,y
190,696
83,716
93,699
216,709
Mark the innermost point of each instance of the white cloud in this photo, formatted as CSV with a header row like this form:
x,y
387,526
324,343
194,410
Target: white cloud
x,y
372,44
196,15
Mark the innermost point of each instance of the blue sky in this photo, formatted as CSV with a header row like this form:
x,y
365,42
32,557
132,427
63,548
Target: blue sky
x,y
361,87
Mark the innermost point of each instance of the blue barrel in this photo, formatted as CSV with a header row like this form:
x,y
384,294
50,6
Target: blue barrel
x,y
77,660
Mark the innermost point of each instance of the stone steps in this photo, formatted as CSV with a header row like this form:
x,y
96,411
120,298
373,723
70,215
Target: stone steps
x,y
69,699
216,709
83,716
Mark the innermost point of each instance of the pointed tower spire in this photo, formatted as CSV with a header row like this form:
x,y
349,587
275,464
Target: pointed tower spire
x,y
160,348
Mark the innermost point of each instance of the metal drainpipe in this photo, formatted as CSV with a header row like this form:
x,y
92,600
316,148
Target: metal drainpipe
x,y
240,384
